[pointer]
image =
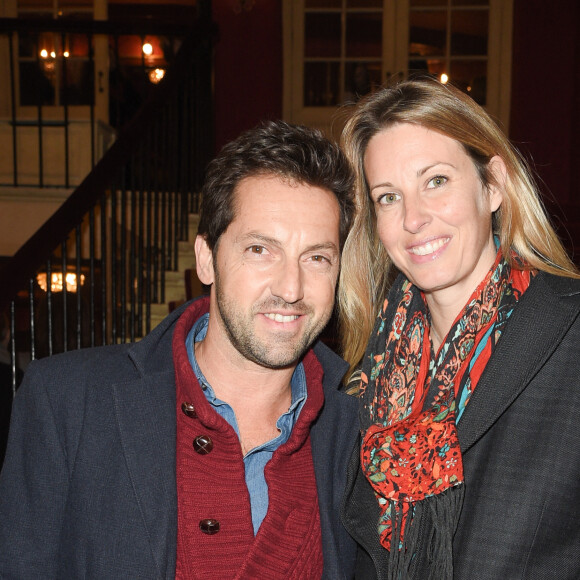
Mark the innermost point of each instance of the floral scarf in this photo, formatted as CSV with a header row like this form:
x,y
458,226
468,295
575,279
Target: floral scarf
x,y
412,399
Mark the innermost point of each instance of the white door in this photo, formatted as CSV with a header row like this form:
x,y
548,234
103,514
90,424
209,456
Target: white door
x,y
338,50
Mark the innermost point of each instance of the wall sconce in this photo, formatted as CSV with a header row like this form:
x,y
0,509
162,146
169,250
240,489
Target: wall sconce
x,y
56,284
156,75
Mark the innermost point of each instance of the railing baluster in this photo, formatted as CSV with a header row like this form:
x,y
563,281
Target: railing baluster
x,y
79,319
104,266
49,306
64,269
123,257
31,314
12,326
114,271
133,258
92,273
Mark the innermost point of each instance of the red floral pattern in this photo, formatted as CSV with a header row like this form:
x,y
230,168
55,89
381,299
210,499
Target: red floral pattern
x,y
412,396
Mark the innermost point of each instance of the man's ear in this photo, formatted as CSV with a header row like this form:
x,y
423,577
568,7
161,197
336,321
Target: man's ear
x,y
498,180
204,261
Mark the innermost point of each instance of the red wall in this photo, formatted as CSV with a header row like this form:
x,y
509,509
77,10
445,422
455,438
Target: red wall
x,y
248,66
545,111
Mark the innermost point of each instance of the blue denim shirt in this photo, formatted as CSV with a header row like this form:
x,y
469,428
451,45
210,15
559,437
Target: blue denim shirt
x,y
256,459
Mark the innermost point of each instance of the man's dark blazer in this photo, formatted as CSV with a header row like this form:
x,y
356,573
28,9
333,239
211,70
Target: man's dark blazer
x,y
520,439
88,488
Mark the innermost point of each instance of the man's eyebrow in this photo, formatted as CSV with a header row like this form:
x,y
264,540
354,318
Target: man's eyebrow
x,y
257,237
324,246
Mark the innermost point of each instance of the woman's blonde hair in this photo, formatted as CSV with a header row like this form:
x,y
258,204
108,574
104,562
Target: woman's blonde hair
x,y
521,221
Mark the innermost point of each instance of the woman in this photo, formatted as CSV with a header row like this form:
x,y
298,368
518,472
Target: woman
x,y
460,308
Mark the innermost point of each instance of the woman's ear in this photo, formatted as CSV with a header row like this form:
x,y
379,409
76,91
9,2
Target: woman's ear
x,y
204,261
497,183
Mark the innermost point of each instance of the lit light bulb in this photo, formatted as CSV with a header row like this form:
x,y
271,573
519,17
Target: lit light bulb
x,y
147,49
44,53
444,78
156,75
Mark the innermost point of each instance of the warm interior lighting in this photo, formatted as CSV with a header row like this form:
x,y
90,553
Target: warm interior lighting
x,y
56,281
148,49
156,75
44,53
66,54
53,54
444,78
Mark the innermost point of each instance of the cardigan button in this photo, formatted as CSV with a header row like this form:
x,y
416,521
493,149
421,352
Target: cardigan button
x,y
189,409
203,444
209,526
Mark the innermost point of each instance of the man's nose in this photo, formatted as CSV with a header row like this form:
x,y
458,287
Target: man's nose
x,y
288,282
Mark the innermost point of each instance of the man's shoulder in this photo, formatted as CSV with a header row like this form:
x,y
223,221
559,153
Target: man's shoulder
x,y
333,365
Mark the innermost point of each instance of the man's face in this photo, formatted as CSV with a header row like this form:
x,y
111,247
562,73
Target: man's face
x,y
275,270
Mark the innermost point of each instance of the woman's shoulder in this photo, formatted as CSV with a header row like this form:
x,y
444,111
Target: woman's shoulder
x,y
562,286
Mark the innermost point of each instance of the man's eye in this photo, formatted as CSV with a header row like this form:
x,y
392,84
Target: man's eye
x,y
256,249
437,181
318,258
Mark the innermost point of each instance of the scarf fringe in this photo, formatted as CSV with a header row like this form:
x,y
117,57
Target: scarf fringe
x,y
442,511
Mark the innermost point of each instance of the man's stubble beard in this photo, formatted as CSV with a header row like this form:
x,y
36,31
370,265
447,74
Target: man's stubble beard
x,y
242,336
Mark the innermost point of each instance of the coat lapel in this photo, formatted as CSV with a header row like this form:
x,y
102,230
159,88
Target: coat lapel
x,y
145,412
526,344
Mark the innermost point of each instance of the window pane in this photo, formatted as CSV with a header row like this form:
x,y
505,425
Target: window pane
x,y
77,44
364,3
432,66
471,77
427,32
470,2
37,83
78,80
437,3
360,79
364,34
323,3
469,32
321,84
443,3
321,35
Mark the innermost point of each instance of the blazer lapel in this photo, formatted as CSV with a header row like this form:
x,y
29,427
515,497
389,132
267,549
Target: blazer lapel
x,y
527,343
145,411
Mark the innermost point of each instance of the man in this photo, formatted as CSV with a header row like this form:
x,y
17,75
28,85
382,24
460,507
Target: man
x,y
216,446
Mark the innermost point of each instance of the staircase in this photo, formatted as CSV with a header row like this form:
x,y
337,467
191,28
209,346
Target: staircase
x,y
113,259
182,284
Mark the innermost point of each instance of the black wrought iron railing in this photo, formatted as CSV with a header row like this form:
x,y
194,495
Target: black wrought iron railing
x,y
91,273
60,71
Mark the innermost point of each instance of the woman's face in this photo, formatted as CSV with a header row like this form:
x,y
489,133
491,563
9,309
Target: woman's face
x,y
433,213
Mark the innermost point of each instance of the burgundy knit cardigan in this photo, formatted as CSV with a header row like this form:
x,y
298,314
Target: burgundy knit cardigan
x,y
215,537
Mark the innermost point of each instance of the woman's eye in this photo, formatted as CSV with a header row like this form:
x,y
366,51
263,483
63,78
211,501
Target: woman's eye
x,y
437,181
388,198
256,249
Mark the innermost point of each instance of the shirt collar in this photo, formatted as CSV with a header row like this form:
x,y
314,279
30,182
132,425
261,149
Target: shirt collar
x,y
198,333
